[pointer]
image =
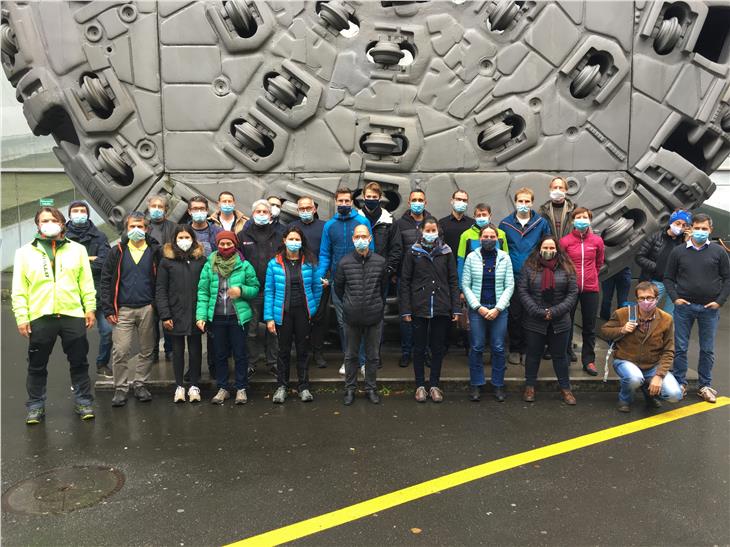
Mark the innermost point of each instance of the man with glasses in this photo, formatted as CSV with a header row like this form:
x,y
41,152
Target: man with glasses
x,y
643,350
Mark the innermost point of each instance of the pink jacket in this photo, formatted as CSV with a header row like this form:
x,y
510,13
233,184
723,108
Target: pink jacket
x,y
586,252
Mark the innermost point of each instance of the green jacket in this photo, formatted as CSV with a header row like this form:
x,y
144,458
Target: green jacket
x,y
504,281
64,286
243,276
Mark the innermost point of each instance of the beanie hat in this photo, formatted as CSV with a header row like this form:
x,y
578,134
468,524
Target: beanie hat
x,y
681,214
226,234
79,203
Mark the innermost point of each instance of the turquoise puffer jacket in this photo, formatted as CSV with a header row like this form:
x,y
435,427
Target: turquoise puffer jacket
x,y
275,289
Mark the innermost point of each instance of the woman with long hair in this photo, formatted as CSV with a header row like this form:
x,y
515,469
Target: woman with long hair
x,y
291,295
429,300
176,299
548,291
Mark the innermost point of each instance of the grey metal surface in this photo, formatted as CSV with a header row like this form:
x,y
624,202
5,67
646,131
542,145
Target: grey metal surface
x,y
628,100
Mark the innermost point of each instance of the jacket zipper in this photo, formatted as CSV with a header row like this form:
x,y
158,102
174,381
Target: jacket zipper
x,y
582,265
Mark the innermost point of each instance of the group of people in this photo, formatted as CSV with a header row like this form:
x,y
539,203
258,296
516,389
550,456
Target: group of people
x,y
514,286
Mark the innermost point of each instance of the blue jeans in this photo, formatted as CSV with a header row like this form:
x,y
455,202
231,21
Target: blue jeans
x,y
668,305
337,304
478,335
707,320
632,377
619,282
105,339
228,335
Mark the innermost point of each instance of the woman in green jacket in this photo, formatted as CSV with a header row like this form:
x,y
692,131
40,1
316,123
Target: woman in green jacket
x,y
227,282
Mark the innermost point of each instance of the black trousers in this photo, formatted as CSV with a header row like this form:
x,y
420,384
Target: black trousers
x,y
44,331
558,344
435,338
589,302
195,357
295,327
320,322
515,328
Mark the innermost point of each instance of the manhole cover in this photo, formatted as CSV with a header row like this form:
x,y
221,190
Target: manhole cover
x,y
63,490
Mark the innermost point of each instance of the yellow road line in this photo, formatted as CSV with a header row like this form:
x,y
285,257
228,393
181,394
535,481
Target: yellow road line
x,y
363,509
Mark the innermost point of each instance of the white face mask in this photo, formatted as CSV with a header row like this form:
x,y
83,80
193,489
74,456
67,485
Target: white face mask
x,y
185,244
676,230
275,210
50,229
557,195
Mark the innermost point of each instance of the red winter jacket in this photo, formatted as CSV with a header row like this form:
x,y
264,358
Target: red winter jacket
x,y
586,252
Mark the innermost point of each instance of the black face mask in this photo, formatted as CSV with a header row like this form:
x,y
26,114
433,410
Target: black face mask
x,y
344,210
372,204
489,244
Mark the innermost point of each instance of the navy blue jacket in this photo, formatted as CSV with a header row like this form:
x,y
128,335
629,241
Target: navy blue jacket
x,y
96,244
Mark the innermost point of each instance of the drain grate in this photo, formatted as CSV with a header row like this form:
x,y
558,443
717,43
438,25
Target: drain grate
x,y
63,490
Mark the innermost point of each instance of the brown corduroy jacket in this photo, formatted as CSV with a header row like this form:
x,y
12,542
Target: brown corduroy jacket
x,y
644,349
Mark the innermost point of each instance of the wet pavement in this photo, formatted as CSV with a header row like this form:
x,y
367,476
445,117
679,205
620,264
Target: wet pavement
x,y
208,475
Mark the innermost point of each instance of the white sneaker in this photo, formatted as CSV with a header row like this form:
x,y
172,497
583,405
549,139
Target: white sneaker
x,y
279,396
194,394
342,369
179,395
306,396
241,397
221,396
362,372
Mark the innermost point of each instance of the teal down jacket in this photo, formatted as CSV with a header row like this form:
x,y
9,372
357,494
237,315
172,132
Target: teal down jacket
x,y
504,281
275,289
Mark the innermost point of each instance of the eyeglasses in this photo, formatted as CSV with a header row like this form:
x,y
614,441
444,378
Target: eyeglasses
x,y
646,299
199,210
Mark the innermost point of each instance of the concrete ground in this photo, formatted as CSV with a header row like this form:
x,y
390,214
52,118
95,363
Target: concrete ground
x,y
208,475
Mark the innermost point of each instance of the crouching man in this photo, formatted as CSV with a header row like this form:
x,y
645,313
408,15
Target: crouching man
x,y
643,350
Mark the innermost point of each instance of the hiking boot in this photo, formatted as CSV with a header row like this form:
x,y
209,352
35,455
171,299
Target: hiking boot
x,y
104,371
179,395
708,394
499,394
120,398
349,397
567,396
421,394
85,412
142,394
373,396
241,397
194,394
35,416
623,407
306,396
279,395
220,397
474,394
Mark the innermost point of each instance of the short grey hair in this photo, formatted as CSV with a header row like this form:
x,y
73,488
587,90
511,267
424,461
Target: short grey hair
x,y
158,197
261,203
137,215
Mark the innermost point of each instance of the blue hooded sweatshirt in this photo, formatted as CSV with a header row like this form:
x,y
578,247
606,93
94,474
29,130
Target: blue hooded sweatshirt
x,y
337,240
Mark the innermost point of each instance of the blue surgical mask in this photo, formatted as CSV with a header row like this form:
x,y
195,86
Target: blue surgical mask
x,y
700,236
417,207
481,221
136,234
581,223
306,216
372,204
79,219
430,237
227,209
523,209
293,246
344,210
459,206
361,244
199,216
261,220
156,214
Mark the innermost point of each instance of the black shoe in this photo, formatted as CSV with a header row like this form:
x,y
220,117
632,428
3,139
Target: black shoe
x,y
475,394
168,356
142,394
546,355
120,398
623,407
349,397
251,371
104,371
499,394
405,361
572,355
320,360
373,396
156,357
273,371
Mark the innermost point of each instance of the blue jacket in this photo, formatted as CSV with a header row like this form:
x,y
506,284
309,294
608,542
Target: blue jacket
x,y
337,240
276,287
521,241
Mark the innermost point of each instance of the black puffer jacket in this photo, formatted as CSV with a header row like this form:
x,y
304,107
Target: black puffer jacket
x,y
654,254
96,244
565,295
177,288
428,282
359,284
259,245
386,238
409,228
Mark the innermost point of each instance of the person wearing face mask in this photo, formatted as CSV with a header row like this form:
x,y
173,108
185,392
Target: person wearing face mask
x,y
456,222
488,285
259,242
359,286
654,253
81,229
292,294
227,217
470,239
161,230
227,284
428,297
643,350
586,250
176,299
337,243
558,209
312,227
205,229
523,229
128,281
53,296
548,291
409,226
697,279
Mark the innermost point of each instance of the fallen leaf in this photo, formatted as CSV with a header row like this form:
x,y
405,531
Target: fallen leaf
x,y
416,530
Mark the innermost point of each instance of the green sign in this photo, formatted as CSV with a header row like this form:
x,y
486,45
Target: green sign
x,y
46,202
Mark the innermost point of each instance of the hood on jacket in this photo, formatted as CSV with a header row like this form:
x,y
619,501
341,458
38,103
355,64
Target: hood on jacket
x,y
170,253
87,230
439,248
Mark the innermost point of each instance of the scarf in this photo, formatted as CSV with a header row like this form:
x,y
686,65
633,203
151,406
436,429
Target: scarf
x,y
548,274
224,266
